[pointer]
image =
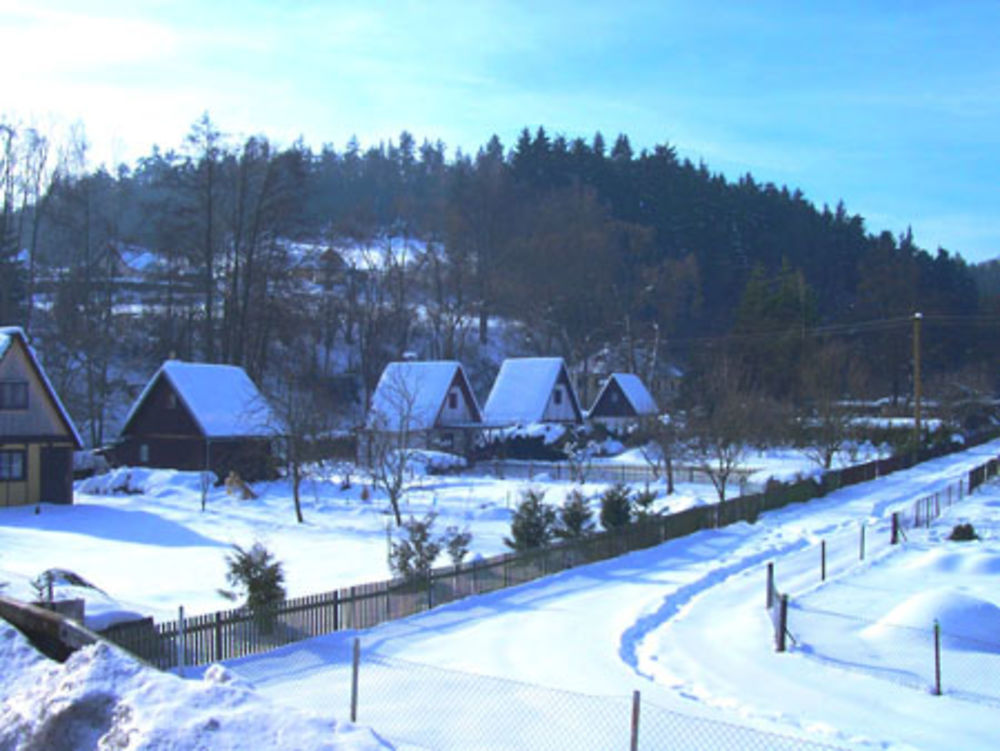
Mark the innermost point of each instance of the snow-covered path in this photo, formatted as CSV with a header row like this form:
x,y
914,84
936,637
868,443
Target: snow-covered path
x,y
683,622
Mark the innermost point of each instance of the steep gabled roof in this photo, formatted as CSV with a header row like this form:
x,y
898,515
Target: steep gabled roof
x,y
11,334
522,390
634,391
221,399
416,391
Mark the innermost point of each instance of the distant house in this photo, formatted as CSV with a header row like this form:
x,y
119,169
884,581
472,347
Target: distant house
x,y
623,402
37,436
423,404
532,390
197,416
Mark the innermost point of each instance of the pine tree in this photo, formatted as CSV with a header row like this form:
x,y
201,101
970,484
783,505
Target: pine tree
x,y
616,507
532,525
575,518
257,577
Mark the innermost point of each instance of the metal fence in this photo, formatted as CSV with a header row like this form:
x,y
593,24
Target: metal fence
x,y
415,705
932,658
601,471
236,633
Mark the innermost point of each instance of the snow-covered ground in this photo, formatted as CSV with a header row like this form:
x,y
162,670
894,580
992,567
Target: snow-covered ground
x,y
558,658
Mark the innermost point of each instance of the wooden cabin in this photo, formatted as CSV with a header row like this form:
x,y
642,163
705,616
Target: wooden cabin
x,y
423,404
198,416
623,403
532,390
37,436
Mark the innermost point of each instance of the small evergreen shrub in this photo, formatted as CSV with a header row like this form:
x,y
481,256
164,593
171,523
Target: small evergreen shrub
x,y
412,557
644,502
963,533
257,577
616,507
533,523
457,544
576,520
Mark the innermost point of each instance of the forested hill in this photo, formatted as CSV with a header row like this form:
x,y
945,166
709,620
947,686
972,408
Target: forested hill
x,y
584,242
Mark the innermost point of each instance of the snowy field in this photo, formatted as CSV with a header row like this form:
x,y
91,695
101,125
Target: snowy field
x,y
553,663
141,537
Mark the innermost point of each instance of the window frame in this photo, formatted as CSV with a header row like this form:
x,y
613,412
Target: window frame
x,y
7,462
8,390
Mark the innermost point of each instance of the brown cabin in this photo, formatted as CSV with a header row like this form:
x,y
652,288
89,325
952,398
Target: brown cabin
x,y
37,436
198,416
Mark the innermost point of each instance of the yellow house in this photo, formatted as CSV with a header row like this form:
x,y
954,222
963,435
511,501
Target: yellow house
x,y
37,436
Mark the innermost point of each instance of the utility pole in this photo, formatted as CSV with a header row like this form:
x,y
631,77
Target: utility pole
x,y
917,320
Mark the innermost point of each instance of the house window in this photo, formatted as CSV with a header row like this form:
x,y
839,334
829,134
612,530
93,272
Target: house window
x,y
13,394
144,453
171,400
557,396
452,400
12,466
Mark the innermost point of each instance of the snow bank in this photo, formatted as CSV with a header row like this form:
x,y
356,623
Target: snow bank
x,y
101,698
146,481
957,560
967,622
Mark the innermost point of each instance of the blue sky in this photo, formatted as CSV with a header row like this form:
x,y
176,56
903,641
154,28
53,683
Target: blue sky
x,y
893,107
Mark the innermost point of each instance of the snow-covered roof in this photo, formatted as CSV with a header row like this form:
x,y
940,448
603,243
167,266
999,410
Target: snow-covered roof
x,y
221,398
522,390
7,336
634,390
415,391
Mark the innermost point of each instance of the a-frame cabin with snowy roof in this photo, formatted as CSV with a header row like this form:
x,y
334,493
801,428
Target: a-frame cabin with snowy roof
x,y
424,405
197,416
623,402
37,436
532,390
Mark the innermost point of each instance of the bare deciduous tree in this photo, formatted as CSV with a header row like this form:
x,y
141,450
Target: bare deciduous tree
x,y
389,433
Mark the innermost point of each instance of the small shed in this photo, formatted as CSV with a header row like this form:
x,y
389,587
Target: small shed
x,y
623,402
37,436
423,404
532,390
197,416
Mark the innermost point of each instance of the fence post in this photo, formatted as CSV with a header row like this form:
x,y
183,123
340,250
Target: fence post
x,y
355,665
180,641
862,541
634,745
894,539
430,590
782,624
770,585
822,560
218,636
937,658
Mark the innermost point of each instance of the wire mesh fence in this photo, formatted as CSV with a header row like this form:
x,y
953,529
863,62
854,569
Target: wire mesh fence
x,y
937,659
602,471
413,705
834,588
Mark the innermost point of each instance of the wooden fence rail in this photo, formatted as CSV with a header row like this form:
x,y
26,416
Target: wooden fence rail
x,y
229,634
